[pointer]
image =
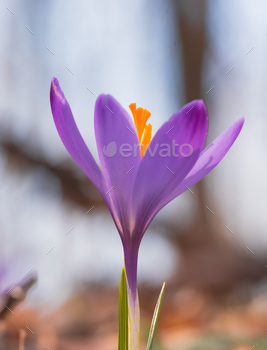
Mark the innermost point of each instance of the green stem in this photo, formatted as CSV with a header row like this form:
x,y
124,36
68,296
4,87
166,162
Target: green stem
x,y
123,313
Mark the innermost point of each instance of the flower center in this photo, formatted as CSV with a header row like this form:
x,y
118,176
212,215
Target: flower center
x,y
144,131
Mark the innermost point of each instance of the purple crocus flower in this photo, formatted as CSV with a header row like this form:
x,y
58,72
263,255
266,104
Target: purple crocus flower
x,y
137,185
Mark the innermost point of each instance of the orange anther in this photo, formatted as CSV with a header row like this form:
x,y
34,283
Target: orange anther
x,y
144,131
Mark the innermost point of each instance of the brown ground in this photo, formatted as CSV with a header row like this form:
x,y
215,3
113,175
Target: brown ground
x,y
189,320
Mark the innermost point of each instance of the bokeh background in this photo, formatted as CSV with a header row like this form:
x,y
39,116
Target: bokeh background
x,y
159,54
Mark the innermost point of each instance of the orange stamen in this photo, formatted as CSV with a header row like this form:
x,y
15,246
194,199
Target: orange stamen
x,y
144,131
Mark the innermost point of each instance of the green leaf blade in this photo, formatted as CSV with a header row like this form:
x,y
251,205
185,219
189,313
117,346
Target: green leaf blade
x,y
155,319
123,313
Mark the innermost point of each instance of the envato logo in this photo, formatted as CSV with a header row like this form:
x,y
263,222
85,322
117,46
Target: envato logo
x,y
164,150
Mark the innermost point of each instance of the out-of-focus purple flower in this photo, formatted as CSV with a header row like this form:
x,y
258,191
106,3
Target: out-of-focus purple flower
x,y
137,185
11,294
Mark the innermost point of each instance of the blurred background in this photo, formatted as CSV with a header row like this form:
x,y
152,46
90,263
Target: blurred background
x,y
160,54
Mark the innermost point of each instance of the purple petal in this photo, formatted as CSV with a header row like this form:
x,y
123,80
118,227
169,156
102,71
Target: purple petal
x,y
116,138
71,137
209,158
158,176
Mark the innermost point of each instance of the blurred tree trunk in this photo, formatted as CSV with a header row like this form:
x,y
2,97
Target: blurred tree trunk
x,y
208,259
191,27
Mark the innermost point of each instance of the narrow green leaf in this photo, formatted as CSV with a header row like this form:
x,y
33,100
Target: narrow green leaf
x,y
123,313
155,319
